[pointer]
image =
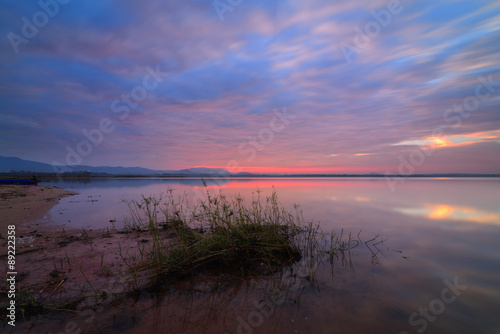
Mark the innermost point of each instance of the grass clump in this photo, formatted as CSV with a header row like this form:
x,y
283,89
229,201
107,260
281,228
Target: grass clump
x,y
257,236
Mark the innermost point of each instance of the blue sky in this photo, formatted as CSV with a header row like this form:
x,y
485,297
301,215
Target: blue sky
x,y
368,86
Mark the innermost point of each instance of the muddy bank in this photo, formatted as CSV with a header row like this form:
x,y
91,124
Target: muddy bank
x,y
20,205
55,263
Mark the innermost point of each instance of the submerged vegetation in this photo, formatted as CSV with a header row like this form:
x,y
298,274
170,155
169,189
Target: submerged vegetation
x,y
231,234
220,233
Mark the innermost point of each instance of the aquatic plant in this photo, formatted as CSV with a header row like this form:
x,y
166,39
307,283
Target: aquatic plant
x,y
257,236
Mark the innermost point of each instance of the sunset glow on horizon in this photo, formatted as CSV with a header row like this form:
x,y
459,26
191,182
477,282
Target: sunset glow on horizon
x,y
286,87
285,170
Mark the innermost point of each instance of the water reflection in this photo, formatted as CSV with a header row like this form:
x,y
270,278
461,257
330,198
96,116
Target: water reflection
x,y
451,212
370,298
288,302
135,182
463,199
209,305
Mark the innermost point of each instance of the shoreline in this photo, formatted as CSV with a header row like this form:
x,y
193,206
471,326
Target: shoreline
x,y
22,205
55,263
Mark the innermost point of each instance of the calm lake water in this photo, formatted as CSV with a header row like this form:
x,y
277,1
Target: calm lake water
x,y
437,270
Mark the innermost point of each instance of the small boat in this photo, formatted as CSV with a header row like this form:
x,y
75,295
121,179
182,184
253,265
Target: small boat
x,y
19,181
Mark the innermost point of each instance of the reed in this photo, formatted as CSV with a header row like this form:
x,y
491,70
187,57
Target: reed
x,y
257,236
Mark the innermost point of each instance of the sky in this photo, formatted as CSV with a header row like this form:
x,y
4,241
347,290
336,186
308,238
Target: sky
x,y
285,86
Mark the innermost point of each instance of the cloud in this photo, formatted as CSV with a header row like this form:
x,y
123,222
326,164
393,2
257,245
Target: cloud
x,y
226,77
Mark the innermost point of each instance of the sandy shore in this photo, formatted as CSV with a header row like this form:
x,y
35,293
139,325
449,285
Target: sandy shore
x,y
50,258
20,204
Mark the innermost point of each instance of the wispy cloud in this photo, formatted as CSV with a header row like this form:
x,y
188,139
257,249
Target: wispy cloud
x,y
225,78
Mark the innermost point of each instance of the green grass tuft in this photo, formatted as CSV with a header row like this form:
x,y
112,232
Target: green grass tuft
x,y
259,236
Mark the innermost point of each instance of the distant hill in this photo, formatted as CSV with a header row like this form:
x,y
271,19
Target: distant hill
x,y
11,164
201,170
8,164
16,165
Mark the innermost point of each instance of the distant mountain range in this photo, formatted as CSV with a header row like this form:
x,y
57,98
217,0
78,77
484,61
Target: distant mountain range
x,y
10,164
20,166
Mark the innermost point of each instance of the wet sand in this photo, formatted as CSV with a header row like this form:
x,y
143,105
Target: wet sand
x,y
20,204
56,261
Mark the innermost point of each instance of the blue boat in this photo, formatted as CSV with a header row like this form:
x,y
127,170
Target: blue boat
x,y
19,181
